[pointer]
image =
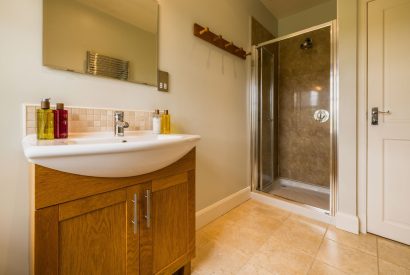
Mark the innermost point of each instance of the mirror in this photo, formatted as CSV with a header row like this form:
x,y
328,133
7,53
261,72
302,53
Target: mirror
x,y
116,39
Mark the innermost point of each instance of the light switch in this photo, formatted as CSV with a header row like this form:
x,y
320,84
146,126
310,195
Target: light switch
x,y
163,79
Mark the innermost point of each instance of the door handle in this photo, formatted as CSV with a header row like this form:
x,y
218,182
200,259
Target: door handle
x,y
148,213
375,115
135,219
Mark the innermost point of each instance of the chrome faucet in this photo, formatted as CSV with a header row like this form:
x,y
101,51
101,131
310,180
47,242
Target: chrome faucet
x,y
119,124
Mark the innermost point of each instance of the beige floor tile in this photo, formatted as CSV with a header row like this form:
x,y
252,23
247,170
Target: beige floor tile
x,y
299,234
347,259
218,227
363,242
217,259
270,211
386,268
262,224
394,252
201,239
319,268
313,225
244,228
252,269
278,258
243,237
253,208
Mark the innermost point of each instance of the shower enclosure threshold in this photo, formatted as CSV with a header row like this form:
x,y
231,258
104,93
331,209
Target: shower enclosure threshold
x,y
298,208
295,191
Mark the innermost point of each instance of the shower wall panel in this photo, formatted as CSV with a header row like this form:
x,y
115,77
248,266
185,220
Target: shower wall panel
x,y
304,87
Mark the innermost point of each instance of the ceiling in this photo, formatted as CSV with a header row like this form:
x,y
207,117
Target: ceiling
x,y
140,13
284,8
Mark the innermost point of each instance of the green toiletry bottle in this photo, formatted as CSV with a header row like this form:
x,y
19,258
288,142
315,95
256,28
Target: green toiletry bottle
x,y
45,121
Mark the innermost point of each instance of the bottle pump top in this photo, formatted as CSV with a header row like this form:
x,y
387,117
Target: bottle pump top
x,y
165,112
45,103
156,111
60,106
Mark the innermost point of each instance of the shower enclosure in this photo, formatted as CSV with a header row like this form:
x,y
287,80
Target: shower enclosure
x,y
294,110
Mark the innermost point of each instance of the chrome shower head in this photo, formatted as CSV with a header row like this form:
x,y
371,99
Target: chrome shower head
x,y
307,44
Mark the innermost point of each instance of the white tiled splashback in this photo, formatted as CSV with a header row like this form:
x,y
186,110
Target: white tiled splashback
x,y
81,120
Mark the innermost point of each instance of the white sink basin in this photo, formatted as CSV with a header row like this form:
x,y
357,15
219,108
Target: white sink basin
x,y
102,155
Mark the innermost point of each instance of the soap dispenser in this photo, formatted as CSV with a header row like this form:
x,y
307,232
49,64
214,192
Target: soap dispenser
x,y
165,122
45,121
156,122
60,121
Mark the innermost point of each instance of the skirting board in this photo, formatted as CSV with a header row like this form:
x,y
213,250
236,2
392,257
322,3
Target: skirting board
x,y
347,222
214,211
292,207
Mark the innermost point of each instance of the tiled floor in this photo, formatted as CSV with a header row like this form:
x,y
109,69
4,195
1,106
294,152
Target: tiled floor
x,y
258,239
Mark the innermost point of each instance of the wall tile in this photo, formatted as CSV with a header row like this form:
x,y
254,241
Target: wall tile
x,y
82,120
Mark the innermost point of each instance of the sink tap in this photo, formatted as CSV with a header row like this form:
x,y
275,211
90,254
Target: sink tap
x,y
119,124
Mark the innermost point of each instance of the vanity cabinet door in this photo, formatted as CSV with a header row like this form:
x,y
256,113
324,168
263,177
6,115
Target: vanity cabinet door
x,y
93,235
170,222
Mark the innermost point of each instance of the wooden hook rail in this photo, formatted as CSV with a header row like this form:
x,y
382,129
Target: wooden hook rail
x,y
217,40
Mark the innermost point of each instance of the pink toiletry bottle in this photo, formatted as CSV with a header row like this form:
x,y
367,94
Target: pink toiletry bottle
x,y
60,121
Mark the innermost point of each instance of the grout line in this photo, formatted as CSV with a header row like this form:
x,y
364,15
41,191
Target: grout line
x,y
325,263
317,252
385,260
268,238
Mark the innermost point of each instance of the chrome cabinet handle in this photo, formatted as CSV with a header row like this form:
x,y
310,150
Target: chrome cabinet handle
x,y
375,115
135,220
148,214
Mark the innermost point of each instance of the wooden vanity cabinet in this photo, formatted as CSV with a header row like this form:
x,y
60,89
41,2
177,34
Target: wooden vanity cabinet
x,y
137,225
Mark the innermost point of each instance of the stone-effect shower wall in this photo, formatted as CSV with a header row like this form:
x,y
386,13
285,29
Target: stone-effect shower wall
x,y
304,87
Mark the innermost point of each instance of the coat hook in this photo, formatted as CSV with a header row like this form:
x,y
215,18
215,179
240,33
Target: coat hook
x,y
229,44
239,50
206,29
219,37
248,53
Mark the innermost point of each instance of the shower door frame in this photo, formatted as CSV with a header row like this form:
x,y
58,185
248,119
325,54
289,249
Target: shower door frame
x,y
334,111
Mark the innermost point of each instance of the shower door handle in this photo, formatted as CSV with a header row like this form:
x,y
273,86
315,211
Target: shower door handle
x,y
375,115
321,116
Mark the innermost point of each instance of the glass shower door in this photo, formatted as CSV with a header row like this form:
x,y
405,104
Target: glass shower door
x,y
294,128
266,118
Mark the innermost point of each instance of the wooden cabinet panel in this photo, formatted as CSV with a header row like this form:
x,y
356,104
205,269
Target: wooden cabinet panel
x,y
134,225
83,206
145,233
94,242
169,221
46,241
53,187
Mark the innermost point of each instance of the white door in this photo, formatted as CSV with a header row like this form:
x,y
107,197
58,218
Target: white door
x,y
389,142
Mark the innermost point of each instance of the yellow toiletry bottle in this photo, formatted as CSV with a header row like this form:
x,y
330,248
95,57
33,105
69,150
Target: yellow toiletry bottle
x,y
45,121
165,123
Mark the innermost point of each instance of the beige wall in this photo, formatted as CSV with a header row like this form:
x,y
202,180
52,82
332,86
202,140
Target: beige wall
x,y
347,139
208,97
98,32
308,18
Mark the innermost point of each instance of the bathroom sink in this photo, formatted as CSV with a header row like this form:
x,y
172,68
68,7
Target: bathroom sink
x,y
103,155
